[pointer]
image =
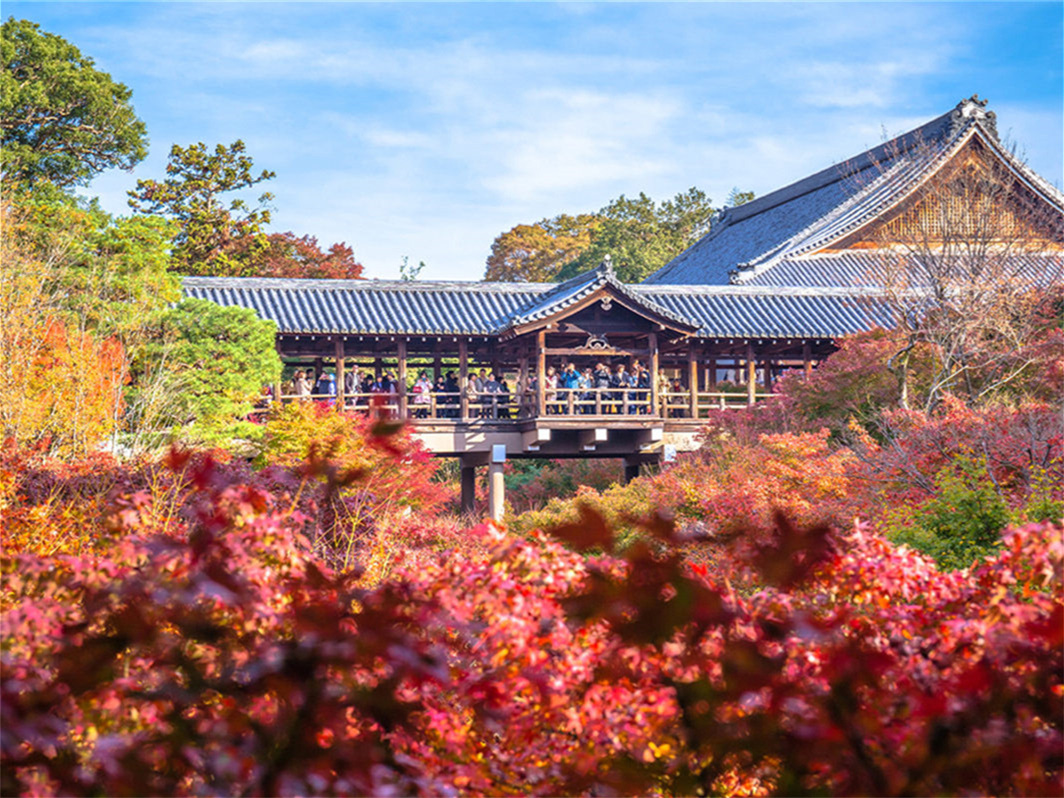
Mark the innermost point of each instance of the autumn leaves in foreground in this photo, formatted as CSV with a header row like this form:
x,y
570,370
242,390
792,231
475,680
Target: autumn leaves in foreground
x,y
200,646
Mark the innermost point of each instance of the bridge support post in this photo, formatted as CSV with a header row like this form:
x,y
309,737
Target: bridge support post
x,y
631,469
469,486
497,483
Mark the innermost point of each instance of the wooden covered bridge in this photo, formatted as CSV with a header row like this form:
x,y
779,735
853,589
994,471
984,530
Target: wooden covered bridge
x,y
767,290
701,348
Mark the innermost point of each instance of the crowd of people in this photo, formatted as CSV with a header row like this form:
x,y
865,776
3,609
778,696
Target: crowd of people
x,y
598,389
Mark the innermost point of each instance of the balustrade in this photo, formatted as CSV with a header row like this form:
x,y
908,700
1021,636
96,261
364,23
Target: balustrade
x,y
560,403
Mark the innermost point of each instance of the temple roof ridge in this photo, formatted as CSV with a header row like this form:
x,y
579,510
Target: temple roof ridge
x,y
797,219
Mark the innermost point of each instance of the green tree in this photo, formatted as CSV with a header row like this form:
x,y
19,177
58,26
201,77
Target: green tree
x,y
107,274
641,236
538,252
737,197
408,273
61,119
219,358
214,238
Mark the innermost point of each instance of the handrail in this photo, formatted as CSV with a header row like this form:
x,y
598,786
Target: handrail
x,y
586,403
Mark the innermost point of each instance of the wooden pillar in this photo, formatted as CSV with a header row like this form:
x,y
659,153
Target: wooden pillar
x,y
692,377
402,377
807,359
521,389
711,373
319,369
541,373
751,375
277,387
655,367
463,377
339,346
469,487
437,367
631,470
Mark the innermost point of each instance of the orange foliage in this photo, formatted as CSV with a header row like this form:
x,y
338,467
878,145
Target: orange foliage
x,y
60,387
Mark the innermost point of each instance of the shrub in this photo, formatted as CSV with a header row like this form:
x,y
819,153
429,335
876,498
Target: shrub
x,y
962,522
227,659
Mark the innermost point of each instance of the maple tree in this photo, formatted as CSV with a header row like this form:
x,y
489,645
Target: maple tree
x,y
536,253
222,654
289,255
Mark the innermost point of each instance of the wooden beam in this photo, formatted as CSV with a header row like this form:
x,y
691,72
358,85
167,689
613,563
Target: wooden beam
x,y
581,351
692,378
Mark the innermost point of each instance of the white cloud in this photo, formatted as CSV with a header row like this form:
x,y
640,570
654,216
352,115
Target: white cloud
x,y
427,130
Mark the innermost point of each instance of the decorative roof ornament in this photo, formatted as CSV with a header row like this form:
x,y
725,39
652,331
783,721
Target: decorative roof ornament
x,y
607,265
972,108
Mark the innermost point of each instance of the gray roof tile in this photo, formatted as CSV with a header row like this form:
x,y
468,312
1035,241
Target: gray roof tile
x,y
377,307
770,232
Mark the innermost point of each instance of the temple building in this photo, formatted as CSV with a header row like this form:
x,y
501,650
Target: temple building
x,y
768,290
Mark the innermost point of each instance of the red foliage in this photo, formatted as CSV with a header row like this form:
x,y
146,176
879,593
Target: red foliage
x,y
289,255
219,656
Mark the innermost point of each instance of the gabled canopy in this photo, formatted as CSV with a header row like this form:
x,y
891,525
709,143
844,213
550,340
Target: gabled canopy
x,y
599,285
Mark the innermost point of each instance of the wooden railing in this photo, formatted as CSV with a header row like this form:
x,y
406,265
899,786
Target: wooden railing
x,y
581,403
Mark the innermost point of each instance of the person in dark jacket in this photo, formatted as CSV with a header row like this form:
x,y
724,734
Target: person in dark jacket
x,y
601,380
619,379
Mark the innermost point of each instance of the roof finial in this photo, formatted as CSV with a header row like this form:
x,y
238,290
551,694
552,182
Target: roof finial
x,y
972,108
607,265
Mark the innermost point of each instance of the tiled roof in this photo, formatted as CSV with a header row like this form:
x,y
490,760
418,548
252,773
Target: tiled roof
x,y
865,268
758,312
777,230
372,307
379,307
568,293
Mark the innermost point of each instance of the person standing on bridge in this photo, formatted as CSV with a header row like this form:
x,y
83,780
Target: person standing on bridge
x,y
352,385
570,381
617,398
301,385
550,389
422,391
601,382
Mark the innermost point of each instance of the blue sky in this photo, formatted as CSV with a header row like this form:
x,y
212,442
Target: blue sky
x,y
427,129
